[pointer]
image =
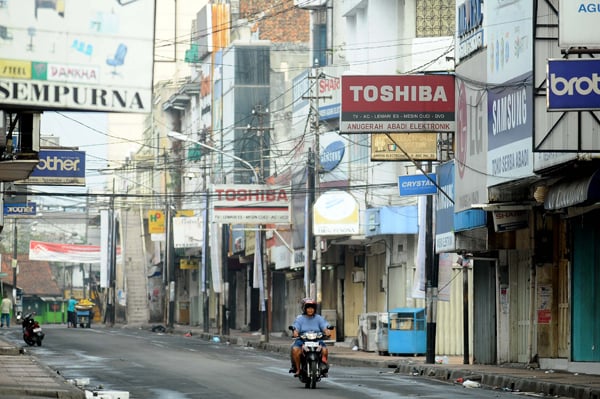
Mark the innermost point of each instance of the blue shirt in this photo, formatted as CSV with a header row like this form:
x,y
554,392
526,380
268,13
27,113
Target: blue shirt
x,y
304,323
71,305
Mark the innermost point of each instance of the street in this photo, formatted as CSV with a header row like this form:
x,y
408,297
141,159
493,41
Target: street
x,y
154,365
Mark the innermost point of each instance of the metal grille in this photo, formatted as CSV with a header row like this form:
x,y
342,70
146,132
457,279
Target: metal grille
x,y
435,18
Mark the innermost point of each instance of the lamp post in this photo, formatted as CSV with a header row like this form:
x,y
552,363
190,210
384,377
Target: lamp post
x,y
182,137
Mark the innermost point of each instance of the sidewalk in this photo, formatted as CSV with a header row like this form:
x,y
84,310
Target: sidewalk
x,y
23,376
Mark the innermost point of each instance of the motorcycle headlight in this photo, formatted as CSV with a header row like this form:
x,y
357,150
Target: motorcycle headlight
x,y
311,335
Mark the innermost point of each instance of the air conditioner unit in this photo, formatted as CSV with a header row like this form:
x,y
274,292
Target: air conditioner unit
x,y
358,276
310,4
377,248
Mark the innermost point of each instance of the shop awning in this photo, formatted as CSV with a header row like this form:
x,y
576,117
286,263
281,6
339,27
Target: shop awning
x,y
582,191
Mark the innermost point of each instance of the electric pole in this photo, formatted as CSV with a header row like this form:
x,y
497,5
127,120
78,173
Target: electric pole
x,y
315,271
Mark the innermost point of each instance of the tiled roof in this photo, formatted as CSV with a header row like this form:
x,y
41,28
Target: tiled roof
x,y
34,277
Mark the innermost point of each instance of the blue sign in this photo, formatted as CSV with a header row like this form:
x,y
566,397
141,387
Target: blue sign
x,y
59,167
417,185
573,84
332,155
28,209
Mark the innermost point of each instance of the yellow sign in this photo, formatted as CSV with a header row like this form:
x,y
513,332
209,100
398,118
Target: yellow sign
x,y
184,213
189,264
156,222
15,69
419,146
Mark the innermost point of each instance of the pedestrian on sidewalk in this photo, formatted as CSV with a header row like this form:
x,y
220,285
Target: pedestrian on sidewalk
x,y
5,307
71,315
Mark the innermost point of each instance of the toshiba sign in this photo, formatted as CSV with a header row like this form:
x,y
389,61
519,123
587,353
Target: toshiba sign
x,y
397,103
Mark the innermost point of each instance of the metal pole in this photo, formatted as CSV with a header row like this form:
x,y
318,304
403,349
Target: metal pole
x,y
170,265
465,270
205,260
431,278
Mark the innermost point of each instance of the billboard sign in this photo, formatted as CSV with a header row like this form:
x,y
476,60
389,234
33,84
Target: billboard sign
x,y
188,232
397,103
469,35
25,209
573,84
58,167
444,213
417,185
578,24
336,213
404,146
250,204
77,55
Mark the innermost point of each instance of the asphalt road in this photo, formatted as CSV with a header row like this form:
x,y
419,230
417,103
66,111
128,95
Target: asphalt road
x,y
150,365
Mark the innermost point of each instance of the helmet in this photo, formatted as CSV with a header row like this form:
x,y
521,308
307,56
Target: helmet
x,y
308,302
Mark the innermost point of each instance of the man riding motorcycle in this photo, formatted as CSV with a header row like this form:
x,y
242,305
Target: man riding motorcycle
x,y
308,321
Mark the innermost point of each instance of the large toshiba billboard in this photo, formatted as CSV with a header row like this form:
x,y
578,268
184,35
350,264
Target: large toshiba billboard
x,y
77,55
397,103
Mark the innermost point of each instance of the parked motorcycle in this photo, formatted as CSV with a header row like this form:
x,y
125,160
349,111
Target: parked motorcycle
x,y
32,332
311,366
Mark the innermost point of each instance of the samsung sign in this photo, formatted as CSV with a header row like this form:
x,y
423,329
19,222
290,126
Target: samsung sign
x,y
332,155
573,85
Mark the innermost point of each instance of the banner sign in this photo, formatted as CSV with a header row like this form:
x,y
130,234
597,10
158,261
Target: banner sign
x,y
336,213
156,222
578,24
251,204
188,232
510,220
573,85
28,209
397,103
417,185
58,167
71,253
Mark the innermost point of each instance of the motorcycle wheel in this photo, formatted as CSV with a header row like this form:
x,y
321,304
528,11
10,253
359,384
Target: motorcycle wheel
x,y
312,374
28,340
38,341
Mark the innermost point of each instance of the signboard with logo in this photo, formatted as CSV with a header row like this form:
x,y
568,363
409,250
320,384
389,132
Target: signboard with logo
x,y
397,103
578,24
24,209
58,167
251,204
510,220
573,84
77,55
393,146
188,232
156,222
336,213
469,32
417,185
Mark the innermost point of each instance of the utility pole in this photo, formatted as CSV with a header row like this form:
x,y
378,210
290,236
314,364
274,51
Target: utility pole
x,y
431,278
314,98
265,308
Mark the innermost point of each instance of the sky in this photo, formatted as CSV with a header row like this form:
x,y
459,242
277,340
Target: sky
x,y
85,131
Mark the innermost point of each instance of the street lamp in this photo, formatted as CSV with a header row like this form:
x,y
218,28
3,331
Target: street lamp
x,y
182,137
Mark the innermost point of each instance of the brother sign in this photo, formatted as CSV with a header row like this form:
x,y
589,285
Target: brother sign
x,y
573,84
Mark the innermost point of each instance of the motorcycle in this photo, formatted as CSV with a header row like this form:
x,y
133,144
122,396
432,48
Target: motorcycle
x,y
312,367
32,332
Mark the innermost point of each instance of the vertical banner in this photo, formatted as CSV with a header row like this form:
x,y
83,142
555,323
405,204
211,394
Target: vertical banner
x,y
104,248
216,258
258,281
419,279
